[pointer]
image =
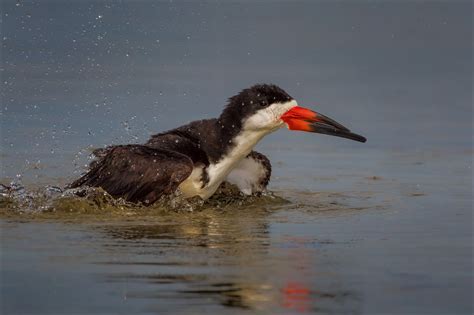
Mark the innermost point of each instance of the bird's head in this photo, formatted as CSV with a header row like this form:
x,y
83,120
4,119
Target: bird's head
x,y
265,108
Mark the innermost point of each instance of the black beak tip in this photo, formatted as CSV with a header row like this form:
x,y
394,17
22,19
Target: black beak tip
x,y
362,139
353,136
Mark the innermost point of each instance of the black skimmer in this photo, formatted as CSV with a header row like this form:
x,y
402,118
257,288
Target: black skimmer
x,y
198,157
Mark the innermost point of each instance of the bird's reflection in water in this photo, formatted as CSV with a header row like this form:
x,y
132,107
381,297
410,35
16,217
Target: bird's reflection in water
x,y
215,260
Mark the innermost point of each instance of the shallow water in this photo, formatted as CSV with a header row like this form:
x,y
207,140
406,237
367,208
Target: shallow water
x,y
397,242
381,227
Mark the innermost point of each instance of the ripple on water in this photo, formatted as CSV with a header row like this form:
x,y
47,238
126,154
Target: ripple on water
x,y
180,254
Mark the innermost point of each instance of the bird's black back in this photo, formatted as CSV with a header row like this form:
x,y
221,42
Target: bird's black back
x,y
145,172
206,141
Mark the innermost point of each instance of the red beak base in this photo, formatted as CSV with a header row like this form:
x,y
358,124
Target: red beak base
x,y
300,118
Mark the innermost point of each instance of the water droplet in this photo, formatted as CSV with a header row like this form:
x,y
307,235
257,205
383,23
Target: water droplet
x,y
53,189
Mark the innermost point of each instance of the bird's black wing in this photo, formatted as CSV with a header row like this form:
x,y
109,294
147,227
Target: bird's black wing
x,y
137,173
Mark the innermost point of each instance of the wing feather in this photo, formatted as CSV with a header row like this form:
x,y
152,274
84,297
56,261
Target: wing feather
x,y
137,173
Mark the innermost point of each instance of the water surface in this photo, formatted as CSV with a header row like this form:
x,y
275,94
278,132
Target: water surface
x,y
382,227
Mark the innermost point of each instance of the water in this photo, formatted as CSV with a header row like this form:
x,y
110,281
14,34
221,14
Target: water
x,y
397,242
380,227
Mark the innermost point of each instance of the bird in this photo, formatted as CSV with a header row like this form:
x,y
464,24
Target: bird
x,y
197,158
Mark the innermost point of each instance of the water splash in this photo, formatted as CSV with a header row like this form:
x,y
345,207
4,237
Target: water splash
x,y
49,200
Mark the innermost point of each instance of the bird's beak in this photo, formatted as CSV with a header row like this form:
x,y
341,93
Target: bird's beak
x,y
300,118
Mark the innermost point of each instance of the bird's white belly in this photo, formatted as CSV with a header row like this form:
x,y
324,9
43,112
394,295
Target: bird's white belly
x,y
217,173
247,176
193,186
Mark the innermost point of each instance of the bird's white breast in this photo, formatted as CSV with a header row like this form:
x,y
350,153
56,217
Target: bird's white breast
x,y
217,172
247,176
253,130
192,186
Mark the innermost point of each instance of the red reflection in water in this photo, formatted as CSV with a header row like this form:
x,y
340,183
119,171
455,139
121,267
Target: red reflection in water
x,y
296,296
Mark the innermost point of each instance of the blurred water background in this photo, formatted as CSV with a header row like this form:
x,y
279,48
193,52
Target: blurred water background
x,y
381,227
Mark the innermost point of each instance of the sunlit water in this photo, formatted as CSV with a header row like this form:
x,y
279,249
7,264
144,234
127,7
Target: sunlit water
x,y
381,227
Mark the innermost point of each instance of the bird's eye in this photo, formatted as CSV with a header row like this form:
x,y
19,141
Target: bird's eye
x,y
263,103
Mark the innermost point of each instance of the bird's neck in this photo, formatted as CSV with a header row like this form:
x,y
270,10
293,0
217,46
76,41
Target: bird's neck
x,y
237,148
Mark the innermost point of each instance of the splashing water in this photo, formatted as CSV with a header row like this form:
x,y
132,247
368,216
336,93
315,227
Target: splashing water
x,y
16,199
